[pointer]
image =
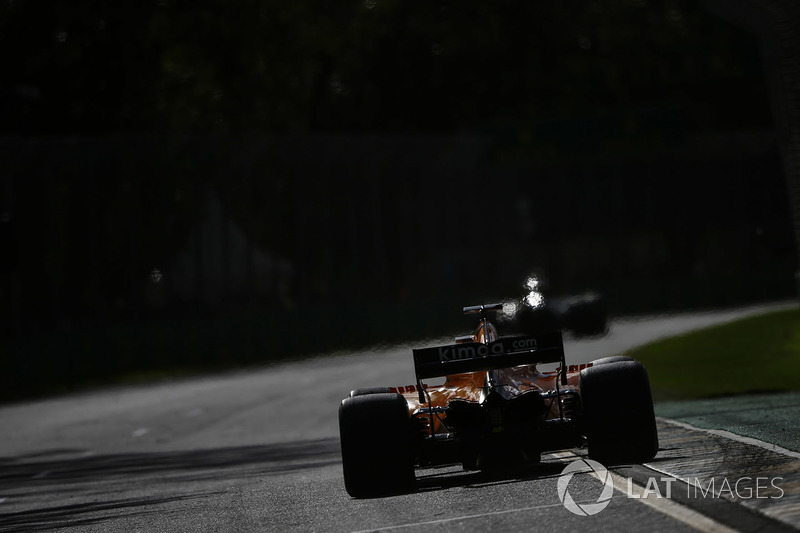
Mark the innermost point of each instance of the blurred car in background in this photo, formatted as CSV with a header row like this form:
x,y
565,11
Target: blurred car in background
x,y
582,315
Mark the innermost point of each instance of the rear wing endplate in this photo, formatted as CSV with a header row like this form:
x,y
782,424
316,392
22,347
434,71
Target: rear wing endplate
x,y
505,352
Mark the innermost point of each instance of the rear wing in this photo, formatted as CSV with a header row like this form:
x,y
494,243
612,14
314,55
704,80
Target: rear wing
x,y
505,352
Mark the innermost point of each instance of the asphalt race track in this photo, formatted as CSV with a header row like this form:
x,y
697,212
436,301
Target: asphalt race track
x,y
258,450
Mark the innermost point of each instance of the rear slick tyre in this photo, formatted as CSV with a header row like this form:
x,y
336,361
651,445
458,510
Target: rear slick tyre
x,y
376,437
620,424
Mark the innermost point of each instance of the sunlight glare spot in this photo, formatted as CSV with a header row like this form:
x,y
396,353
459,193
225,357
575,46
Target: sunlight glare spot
x,y
534,299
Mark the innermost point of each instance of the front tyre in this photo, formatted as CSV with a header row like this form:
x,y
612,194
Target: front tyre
x,y
377,452
620,424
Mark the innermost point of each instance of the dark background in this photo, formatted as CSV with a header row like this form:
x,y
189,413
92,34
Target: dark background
x,y
201,184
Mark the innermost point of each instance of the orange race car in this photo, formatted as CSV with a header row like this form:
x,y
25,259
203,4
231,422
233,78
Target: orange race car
x,y
496,408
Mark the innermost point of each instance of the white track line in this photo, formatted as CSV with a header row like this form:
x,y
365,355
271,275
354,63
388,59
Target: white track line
x,y
457,518
733,436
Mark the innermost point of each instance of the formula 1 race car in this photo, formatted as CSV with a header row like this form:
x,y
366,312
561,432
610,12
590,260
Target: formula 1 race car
x,y
496,409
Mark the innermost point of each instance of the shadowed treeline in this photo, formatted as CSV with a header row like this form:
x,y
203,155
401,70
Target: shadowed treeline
x,y
88,67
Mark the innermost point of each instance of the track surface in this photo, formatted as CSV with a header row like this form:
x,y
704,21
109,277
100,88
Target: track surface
x,y
258,450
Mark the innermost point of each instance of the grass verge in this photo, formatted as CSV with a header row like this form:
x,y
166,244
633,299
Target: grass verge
x,y
756,354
